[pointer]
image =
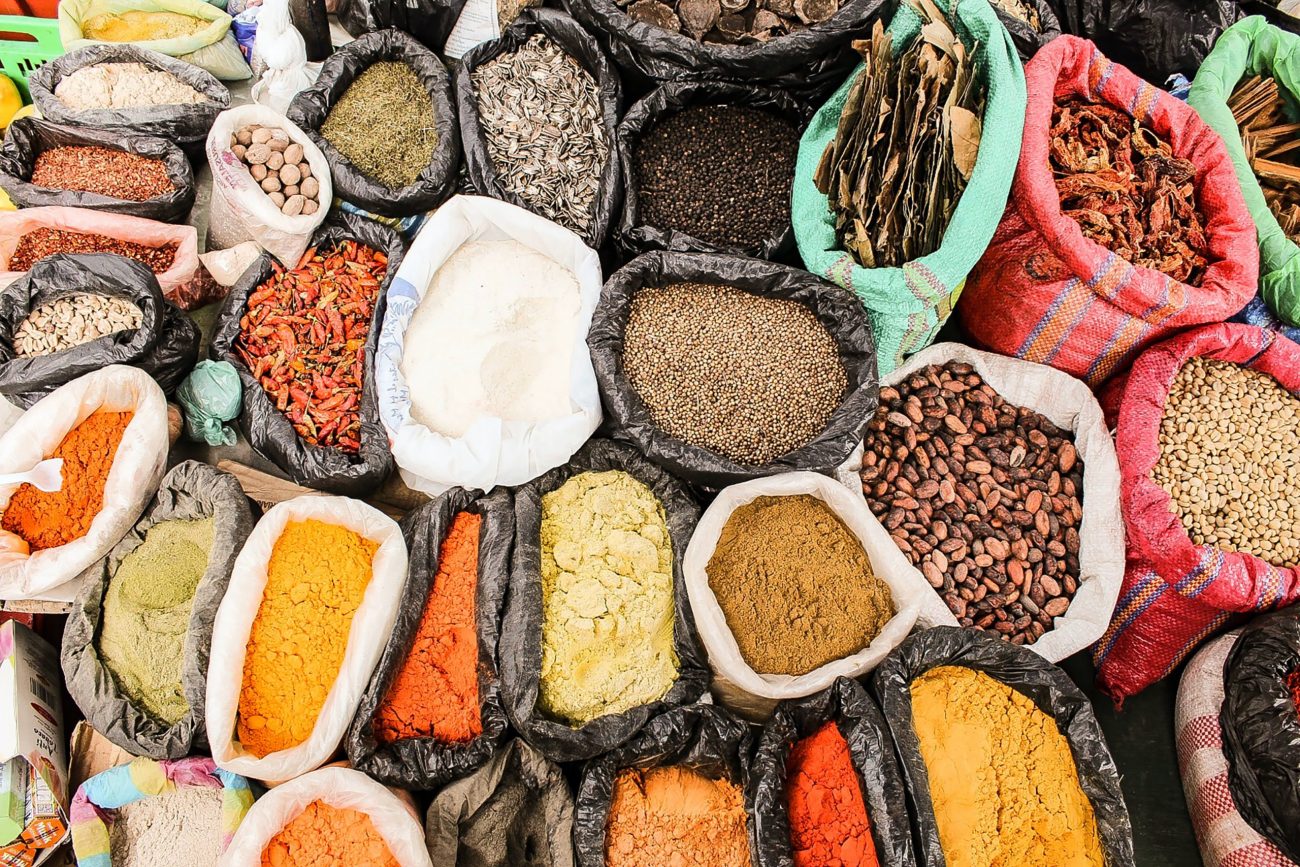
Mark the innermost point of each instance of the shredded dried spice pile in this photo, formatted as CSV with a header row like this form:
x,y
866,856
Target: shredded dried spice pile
x,y
88,169
303,338
906,144
736,22
39,243
1122,184
1293,686
1272,146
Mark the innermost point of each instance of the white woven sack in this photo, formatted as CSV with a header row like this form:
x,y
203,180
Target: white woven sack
x,y
137,468
1069,405
1226,840
493,451
366,638
906,584
343,788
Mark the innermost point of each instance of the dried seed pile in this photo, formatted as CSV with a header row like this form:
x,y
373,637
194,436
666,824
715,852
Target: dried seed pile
x,y
732,21
1271,147
123,85
73,320
923,106
541,117
719,173
303,338
748,377
279,167
983,496
1229,458
108,172
39,243
384,124
1123,185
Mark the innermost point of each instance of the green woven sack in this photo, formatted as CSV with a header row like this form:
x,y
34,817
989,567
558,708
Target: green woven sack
x,y
1252,46
908,305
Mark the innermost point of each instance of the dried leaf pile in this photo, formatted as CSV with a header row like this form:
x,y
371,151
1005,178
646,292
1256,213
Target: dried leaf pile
x,y
1021,10
1122,184
1272,146
732,21
905,146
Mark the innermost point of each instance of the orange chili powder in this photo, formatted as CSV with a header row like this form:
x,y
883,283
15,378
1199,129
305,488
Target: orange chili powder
x,y
50,520
828,819
435,692
326,836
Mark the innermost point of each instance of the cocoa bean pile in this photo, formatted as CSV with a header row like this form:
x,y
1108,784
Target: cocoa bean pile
x,y
732,21
985,497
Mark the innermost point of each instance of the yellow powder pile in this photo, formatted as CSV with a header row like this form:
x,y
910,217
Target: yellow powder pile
x,y
607,598
675,816
315,582
1002,779
138,26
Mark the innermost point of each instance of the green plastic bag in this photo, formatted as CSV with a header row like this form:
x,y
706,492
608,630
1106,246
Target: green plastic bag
x,y
213,48
1250,47
908,305
210,396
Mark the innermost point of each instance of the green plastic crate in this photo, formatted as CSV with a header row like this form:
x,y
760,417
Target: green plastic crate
x,y
18,59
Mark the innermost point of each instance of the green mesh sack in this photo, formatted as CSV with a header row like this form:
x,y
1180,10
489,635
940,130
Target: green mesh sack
x,y
908,305
1251,47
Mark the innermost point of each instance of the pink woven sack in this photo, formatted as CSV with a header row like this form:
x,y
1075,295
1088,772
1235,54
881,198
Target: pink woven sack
x,y
1177,593
1045,293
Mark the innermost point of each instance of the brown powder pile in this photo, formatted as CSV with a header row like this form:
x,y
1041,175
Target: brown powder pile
x,y
795,585
675,816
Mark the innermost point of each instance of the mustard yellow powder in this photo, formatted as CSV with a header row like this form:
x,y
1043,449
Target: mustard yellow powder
x,y
1002,779
139,26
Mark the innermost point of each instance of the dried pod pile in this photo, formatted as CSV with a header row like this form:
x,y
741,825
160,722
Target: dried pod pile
x,y
732,21
1122,184
1229,458
1272,146
38,243
73,320
384,124
279,166
983,496
905,145
541,117
303,338
108,172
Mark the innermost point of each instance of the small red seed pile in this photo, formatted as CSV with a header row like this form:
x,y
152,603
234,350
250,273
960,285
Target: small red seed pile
x,y
303,337
42,242
117,174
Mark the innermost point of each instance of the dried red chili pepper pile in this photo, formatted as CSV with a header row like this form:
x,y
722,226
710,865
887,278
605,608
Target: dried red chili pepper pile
x,y
303,337
1128,192
39,243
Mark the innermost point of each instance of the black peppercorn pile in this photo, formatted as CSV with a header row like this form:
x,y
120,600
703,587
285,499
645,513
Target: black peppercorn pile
x,y
748,377
719,173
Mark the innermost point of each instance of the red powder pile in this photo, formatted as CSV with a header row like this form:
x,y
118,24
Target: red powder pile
x,y
435,692
828,819
325,836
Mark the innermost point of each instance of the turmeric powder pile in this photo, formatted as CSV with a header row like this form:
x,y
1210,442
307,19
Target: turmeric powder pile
x,y
140,26
1003,782
324,835
315,581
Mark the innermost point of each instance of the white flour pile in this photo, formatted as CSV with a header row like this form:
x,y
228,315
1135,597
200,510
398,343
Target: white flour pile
x,y
180,826
123,85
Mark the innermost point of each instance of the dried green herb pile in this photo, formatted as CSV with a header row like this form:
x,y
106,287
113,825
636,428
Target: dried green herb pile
x,y
384,124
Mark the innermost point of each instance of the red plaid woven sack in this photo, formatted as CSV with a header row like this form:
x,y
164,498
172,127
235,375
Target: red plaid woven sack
x,y
1045,293
1177,593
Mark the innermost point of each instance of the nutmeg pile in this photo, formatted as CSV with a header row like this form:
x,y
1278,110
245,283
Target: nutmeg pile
x,y
279,166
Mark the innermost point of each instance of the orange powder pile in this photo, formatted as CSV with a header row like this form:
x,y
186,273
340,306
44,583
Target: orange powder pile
x,y
325,836
828,817
675,816
435,692
315,582
50,520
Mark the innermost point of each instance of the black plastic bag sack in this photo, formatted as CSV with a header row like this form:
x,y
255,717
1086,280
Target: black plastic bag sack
x,y
429,21
664,101
521,639
1261,729
1028,673
582,47
186,125
515,811
1153,38
165,346
311,106
702,737
190,491
267,429
1027,39
872,750
28,137
424,763
811,62
627,416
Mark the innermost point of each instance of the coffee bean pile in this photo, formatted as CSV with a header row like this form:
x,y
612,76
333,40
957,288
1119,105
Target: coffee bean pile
x,y
751,378
983,496
1229,458
719,173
